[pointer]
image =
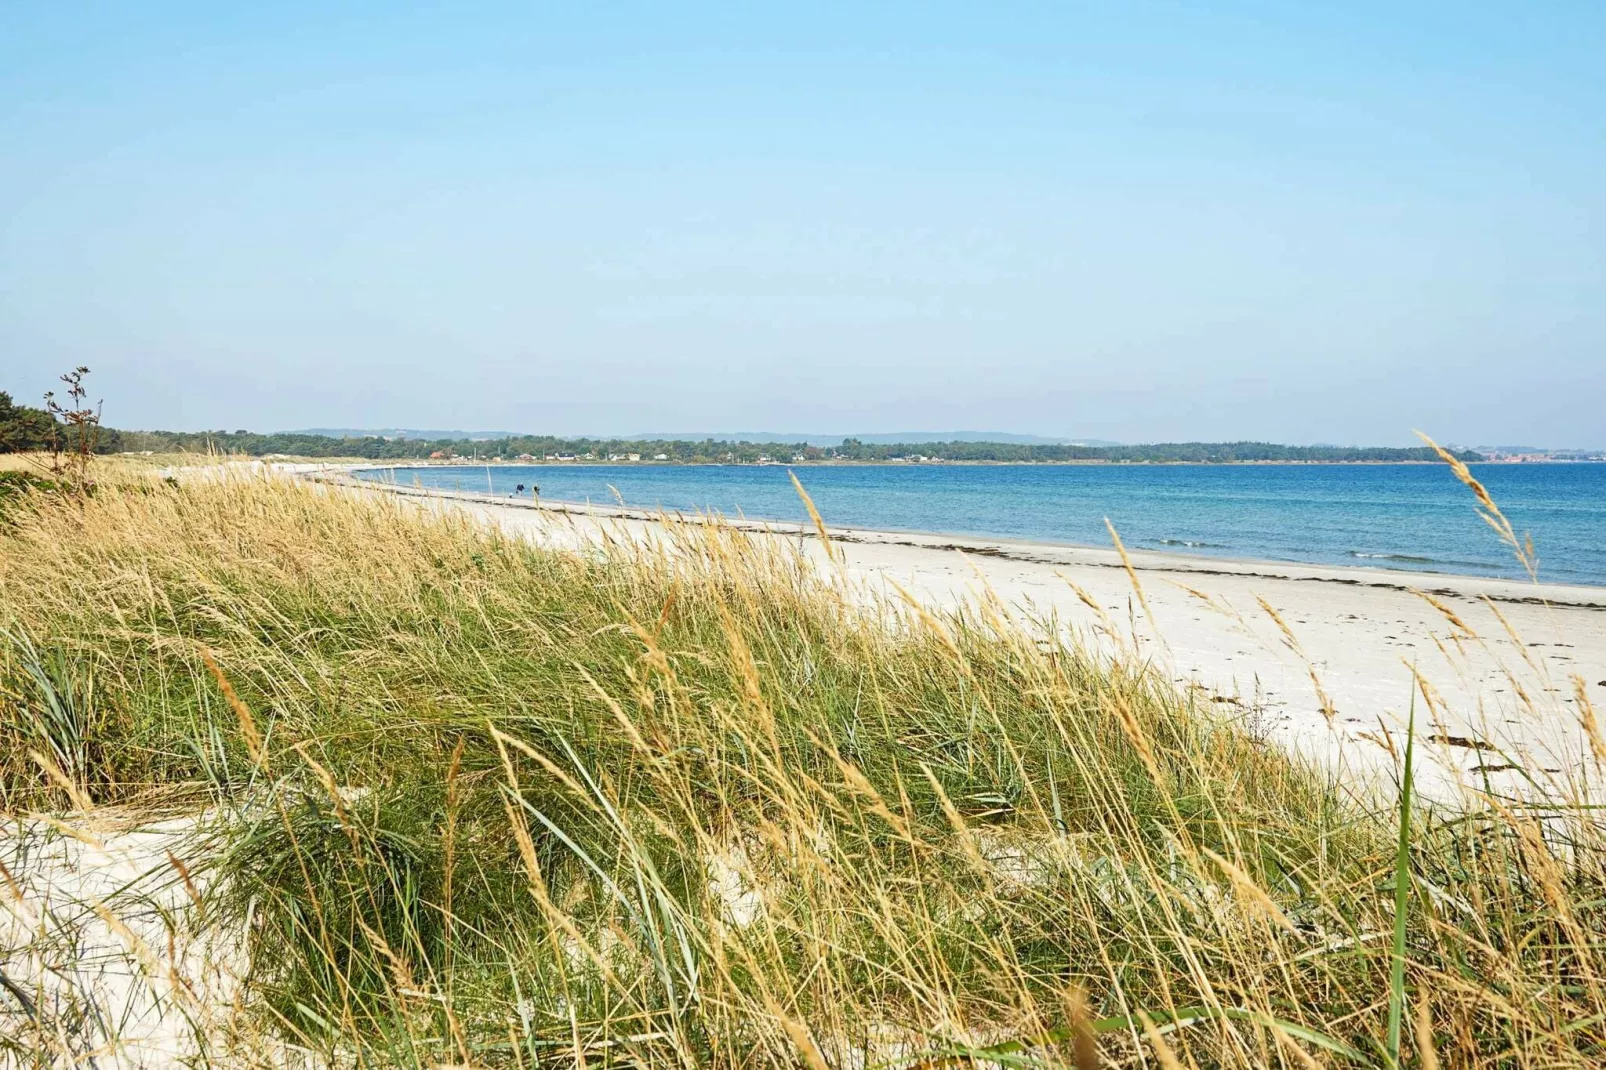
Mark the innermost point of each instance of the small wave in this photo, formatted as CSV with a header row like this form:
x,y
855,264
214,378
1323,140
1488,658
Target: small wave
x,y
1191,543
1409,558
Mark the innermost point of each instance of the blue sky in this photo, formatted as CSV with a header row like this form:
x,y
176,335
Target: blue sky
x,y
1302,222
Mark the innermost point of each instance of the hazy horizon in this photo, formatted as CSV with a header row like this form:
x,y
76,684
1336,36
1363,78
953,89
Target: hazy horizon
x,y
1138,223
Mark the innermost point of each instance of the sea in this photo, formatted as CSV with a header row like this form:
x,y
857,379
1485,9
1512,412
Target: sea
x,y
1410,518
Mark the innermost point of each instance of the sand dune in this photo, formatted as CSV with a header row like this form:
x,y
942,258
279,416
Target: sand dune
x,y
1498,658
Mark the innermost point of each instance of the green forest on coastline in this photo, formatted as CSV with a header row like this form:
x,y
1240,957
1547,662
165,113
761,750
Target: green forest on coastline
x,y
23,428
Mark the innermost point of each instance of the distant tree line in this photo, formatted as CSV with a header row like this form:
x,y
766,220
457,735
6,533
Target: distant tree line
x,y
33,435
24,428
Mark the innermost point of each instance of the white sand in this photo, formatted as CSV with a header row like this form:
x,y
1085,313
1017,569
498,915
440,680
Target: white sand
x,y
96,933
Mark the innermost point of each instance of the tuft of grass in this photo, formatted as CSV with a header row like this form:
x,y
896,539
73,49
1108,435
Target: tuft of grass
x,y
1402,895
681,801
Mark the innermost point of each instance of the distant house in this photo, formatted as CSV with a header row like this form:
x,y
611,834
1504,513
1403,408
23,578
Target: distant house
x,y
635,456
440,455
798,457
660,456
526,456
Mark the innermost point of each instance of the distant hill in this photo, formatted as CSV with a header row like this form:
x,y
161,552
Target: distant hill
x,y
1540,449
911,437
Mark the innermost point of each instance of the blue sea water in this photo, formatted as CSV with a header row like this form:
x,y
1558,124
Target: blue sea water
x,y
1406,517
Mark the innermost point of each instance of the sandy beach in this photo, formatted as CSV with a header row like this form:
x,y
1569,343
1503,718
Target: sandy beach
x,y
1320,659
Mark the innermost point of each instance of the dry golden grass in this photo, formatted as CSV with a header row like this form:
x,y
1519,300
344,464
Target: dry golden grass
x,y
479,802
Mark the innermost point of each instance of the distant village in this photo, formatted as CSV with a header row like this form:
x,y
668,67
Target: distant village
x,y
796,458
1532,455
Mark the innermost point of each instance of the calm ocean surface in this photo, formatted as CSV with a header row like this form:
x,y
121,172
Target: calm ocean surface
x,y
1407,517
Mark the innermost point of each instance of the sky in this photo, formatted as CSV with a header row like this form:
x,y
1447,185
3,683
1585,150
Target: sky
x,y
1301,222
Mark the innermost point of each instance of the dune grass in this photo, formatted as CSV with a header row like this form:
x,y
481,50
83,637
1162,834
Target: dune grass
x,y
686,802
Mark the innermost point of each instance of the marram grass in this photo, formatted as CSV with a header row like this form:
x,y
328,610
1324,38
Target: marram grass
x,y
475,802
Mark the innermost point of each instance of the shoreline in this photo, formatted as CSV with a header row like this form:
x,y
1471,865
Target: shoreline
x,y
1044,551
1326,661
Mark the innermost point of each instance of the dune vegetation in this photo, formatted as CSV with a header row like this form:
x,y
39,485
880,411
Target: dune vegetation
x,y
462,799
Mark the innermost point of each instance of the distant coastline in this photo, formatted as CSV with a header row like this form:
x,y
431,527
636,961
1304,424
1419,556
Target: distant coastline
x,y
548,448
502,462
1367,570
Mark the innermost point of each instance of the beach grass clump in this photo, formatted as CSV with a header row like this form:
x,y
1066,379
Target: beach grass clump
x,y
685,800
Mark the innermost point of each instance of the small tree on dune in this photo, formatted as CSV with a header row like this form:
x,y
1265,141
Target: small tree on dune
x,y
74,434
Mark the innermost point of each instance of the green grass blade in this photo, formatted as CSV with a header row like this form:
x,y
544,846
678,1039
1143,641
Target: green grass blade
x,y
1402,892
